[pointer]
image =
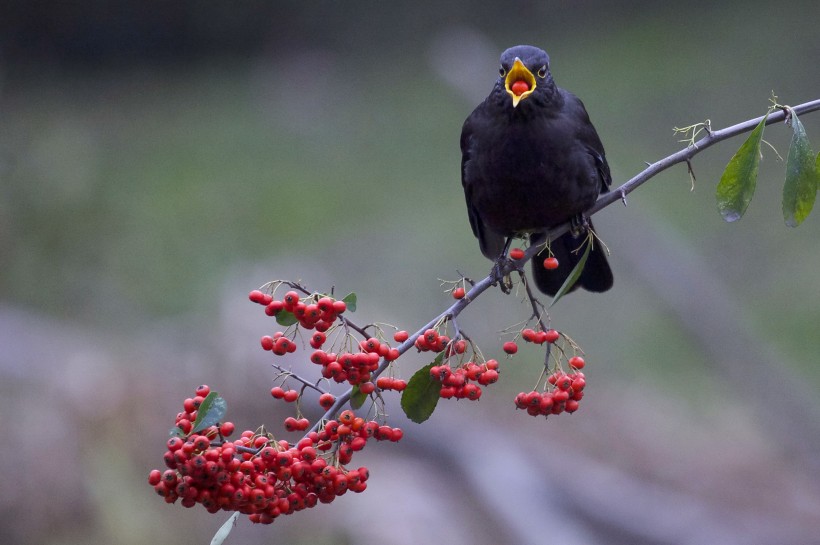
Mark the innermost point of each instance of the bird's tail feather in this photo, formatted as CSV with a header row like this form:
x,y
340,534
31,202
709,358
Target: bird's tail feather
x,y
596,276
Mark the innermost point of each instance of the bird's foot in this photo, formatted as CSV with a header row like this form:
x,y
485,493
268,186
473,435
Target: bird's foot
x,y
578,225
503,279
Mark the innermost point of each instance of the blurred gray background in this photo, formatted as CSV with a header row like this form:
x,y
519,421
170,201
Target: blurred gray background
x,y
158,161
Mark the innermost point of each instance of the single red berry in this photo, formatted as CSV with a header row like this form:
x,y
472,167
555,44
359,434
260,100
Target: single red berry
x,y
528,335
516,253
277,392
227,428
273,308
510,347
291,299
367,388
577,362
256,296
458,293
154,477
317,339
326,401
571,406
290,396
339,307
203,390
384,383
267,342
290,424
400,336
519,87
551,263
399,385
551,335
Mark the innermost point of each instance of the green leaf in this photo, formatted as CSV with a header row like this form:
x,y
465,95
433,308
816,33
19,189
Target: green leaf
x,y
285,318
210,412
176,432
800,188
737,184
419,399
222,534
573,276
357,398
350,301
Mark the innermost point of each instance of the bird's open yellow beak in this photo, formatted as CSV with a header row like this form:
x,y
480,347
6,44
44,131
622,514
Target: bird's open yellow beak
x,y
520,83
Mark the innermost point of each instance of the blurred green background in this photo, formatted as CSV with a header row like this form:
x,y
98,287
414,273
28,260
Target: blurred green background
x,y
159,161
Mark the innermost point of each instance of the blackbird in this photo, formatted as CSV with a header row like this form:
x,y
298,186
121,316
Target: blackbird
x,y
531,160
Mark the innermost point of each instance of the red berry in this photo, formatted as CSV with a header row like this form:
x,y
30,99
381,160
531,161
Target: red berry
x,y
317,339
339,307
154,477
227,428
510,347
256,296
399,385
458,293
528,335
400,336
203,390
290,424
516,253
519,87
577,362
290,396
367,388
551,263
551,335
326,401
273,308
267,342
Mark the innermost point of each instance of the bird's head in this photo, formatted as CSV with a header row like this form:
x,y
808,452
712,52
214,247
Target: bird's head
x,y
523,69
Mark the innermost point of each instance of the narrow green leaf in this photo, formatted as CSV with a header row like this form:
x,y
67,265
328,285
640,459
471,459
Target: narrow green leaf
x,y
419,399
357,398
573,276
737,184
210,412
350,301
222,534
800,188
285,318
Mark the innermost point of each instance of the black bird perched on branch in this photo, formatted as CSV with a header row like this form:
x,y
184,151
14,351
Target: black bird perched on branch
x,y
531,160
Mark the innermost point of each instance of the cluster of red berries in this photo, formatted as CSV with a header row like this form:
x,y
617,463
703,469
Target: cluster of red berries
x,y
318,315
566,392
354,367
532,336
259,476
432,341
460,382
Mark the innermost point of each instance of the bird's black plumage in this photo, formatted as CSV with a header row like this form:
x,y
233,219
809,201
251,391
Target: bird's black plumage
x,y
531,164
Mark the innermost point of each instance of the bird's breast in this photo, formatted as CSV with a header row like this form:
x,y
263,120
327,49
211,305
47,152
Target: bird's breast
x,y
527,180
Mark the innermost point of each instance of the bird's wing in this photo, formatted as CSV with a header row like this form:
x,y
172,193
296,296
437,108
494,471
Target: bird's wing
x,y
491,244
589,137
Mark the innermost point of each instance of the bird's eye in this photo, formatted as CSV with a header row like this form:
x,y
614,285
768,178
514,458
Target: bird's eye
x,y
502,71
542,72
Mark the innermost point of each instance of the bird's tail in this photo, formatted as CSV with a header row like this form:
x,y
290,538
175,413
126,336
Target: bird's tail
x,y
596,276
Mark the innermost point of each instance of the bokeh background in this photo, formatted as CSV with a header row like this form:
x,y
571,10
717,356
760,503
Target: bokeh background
x,y
159,160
